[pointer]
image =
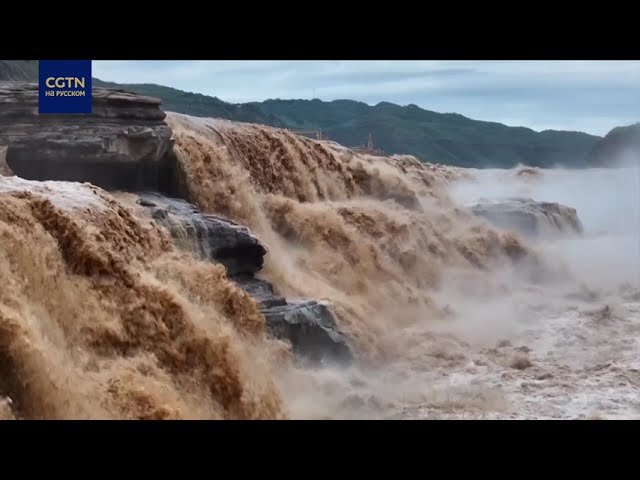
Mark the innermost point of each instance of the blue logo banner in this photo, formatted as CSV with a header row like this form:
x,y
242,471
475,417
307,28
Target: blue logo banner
x,y
64,86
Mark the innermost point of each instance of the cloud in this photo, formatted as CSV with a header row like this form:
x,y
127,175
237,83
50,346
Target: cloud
x,y
592,96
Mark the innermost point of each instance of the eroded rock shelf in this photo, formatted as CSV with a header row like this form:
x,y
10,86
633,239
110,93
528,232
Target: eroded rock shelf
x,y
125,145
308,324
122,144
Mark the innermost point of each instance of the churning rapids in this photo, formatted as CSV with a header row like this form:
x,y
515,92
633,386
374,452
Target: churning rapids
x,y
102,316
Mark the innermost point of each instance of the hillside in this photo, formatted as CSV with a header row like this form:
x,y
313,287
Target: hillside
x,y
446,138
19,70
196,104
619,145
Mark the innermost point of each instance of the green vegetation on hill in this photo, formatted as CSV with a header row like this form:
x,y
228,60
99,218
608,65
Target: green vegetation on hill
x,y
620,145
447,138
437,137
196,104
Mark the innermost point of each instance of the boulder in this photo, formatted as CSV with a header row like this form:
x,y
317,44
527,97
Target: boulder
x,y
311,328
261,290
530,218
307,324
121,145
209,237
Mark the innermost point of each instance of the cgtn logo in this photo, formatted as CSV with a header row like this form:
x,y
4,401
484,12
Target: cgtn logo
x,y
65,82
64,86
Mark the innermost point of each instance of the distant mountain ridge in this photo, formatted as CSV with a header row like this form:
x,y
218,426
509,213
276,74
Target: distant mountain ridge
x,y
196,104
447,138
620,145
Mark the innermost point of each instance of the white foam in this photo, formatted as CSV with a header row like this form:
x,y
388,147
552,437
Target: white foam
x,y
65,195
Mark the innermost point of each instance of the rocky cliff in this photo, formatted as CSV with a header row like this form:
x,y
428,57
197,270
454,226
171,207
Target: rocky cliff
x,y
19,70
307,324
121,145
125,145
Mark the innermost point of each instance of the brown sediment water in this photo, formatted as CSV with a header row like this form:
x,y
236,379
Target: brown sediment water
x,y
371,235
101,316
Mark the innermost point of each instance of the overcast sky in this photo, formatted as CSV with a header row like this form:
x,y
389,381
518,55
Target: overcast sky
x,y
590,96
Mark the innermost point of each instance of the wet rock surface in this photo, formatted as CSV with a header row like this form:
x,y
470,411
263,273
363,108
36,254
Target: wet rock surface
x,y
311,328
531,218
210,237
124,144
308,324
261,290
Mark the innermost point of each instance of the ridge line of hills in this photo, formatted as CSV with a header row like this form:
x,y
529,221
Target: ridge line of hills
x,y
446,138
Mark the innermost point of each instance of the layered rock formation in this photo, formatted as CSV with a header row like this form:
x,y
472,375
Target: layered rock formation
x,y
531,218
308,324
123,144
22,70
209,237
126,145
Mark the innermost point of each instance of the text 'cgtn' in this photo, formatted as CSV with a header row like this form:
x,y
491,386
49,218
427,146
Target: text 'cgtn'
x,y
65,82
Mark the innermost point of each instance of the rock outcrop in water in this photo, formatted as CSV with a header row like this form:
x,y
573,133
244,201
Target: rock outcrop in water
x,y
123,144
209,237
531,218
308,324
126,145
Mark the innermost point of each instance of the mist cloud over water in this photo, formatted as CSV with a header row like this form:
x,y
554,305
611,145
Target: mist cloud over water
x,y
607,202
